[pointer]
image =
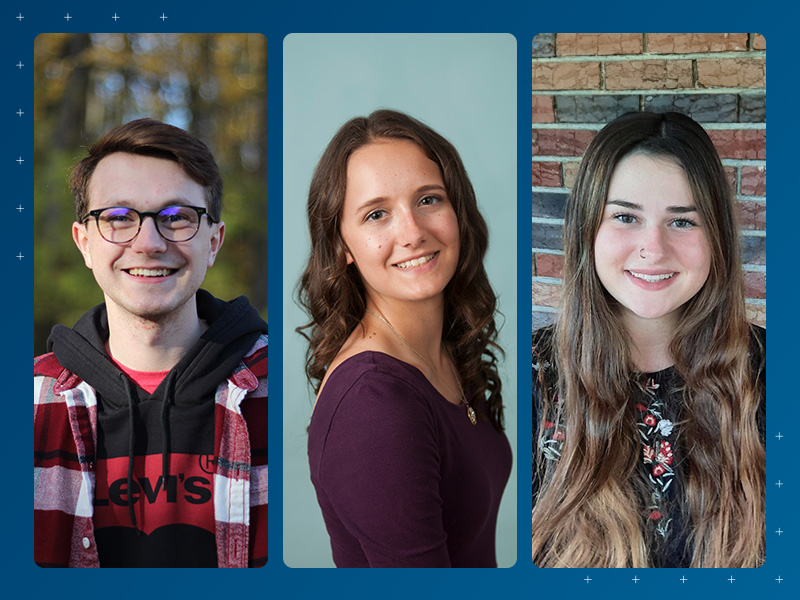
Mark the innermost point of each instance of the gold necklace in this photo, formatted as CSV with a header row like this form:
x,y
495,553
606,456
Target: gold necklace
x,y
470,411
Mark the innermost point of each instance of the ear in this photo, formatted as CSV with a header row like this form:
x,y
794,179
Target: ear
x,y
349,256
217,237
82,242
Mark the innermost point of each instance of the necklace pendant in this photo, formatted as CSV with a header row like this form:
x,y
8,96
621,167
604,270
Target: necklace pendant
x,y
471,414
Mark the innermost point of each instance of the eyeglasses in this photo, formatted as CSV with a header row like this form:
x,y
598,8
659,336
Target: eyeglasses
x,y
120,224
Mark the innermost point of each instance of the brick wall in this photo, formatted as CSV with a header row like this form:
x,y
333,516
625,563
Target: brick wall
x,y
583,80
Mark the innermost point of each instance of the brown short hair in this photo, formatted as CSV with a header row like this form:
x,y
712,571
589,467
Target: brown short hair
x,y
148,137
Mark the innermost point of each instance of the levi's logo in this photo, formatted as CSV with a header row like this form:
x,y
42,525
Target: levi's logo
x,y
184,496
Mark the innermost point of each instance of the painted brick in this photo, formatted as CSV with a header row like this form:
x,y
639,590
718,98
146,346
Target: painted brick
x,y
544,45
560,142
549,204
595,44
754,181
710,108
594,109
732,72
759,43
545,294
753,108
647,74
755,284
546,174
754,250
753,215
549,265
548,237
543,109
542,319
566,76
686,43
747,143
570,173
757,313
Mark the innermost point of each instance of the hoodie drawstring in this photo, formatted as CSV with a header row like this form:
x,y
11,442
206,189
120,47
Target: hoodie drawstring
x,y
169,392
130,393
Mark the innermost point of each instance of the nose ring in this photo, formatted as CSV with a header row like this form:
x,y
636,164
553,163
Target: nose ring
x,y
641,253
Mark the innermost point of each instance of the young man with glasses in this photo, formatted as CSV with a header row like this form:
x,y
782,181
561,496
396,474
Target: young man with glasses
x,y
150,415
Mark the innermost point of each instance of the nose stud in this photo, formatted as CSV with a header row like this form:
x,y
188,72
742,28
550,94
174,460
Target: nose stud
x,y
641,253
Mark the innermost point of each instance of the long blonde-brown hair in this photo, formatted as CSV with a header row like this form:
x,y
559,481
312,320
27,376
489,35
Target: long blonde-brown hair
x,y
587,512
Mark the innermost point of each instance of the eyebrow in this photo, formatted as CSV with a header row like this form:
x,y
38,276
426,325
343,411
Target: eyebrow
x,y
433,187
670,209
123,203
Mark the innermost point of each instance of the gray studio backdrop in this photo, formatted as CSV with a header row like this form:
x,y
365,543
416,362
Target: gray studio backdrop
x,y
462,85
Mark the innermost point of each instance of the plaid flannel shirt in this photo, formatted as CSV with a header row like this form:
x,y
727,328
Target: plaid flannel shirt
x,y
65,438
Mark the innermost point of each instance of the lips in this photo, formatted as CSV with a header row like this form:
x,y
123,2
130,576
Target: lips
x,y
157,272
416,262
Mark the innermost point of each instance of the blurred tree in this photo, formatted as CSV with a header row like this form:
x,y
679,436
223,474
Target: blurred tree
x,y
213,85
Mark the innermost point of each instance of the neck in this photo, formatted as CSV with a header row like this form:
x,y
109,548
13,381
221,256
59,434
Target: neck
x,y
143,344
650,340
420,325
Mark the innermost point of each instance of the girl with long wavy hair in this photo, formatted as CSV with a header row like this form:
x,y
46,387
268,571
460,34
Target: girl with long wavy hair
x,y
649,391
405,446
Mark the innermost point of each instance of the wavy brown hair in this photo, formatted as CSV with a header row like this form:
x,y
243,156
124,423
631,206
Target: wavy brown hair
x,y
587,512
332,292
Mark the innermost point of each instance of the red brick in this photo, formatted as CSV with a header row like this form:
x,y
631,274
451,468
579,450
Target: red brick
x,y
566,76
685,43
594,44
561,142
649,74
753,215
543,111
549,265
740,143
759,43
755,284
547,174
732,73
730,173
545,294
754,181
757,314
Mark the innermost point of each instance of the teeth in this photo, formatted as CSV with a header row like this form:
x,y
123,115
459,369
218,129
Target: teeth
x,y
415,262
651,278
150,272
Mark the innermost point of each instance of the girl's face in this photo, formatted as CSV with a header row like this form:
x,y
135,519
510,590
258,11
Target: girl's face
x,y
397,222
651,250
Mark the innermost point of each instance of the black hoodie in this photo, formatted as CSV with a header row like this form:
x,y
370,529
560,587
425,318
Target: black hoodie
x,y
175,422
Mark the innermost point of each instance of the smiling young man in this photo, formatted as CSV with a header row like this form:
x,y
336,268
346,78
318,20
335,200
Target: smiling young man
x,y
150,415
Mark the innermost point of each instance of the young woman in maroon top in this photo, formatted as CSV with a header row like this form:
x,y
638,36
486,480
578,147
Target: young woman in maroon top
x,y
406,446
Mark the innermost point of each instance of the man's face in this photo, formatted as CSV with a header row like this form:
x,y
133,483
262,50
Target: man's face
x,y
148,277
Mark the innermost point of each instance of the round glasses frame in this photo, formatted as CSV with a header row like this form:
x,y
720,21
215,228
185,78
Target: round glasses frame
x,y
155,216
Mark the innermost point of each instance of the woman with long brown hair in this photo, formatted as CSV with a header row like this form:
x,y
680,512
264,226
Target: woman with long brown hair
x,y
406,448
649,391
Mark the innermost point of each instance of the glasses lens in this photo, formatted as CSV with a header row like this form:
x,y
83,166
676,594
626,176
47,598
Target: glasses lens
x,y
178,223
118,225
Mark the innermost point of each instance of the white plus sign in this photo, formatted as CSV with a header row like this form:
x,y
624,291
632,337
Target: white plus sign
x,y
779,436
635,579
20,113
67,17
588,579
115,17
779,579
19,208
163,17
780,483
20,160
731,579
684,580
19,256
779,531
20,17
20,65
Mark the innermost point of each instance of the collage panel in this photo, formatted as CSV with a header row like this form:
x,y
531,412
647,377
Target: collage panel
x,y
649,300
